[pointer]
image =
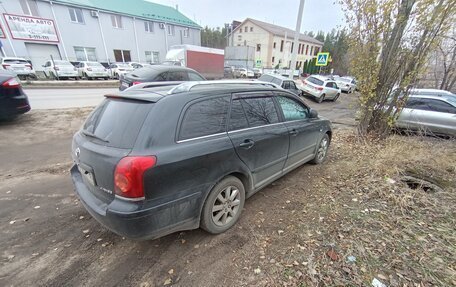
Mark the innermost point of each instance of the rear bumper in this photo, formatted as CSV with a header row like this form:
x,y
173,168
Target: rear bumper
x,y
138,220
11,107
311,93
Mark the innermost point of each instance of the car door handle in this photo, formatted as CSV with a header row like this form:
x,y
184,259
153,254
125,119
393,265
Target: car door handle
x,y
247,144
294,132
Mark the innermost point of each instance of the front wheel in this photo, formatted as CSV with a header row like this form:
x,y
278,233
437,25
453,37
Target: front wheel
x,y
336,97
322,150
223,206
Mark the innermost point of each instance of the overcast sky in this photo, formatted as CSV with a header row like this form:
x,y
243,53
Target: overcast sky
x,y
318,14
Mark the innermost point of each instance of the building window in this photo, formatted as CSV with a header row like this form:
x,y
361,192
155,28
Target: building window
x,y
292,46
317,49
186,32
239,37
281,46
299,49
258,48
246,29
76,15
274,45
149,26
307,49
85,54
240,30
29,7
170,30
311,50
273,60
152,57
116,21
251,29
122,56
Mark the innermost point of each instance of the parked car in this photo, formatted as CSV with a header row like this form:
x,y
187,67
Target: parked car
x,y
19,66
228,73
431,92
257,72
60,69
159,73
118,70
13,100
136,65
159,160
243,73
429,114
345,84
283,82
320,88
92,70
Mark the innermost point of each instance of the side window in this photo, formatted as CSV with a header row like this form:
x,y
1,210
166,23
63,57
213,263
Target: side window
x,y
194,77
276,81
238,119
335,86
204,118
440,106
286,85
292,110
177,76
161,77
293,86
329,85
260,110
414,103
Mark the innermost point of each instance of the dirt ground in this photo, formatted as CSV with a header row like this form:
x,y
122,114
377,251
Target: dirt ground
x,y
342,223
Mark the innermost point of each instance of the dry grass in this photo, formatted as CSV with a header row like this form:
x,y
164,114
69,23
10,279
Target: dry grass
x,y
358,206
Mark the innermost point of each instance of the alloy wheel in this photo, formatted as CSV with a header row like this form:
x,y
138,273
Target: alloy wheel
x,y
322,149
226,206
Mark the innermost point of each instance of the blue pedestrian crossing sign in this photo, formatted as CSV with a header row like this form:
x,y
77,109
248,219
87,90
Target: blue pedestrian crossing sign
x,y
322,59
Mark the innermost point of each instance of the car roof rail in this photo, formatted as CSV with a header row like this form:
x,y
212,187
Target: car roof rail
x,y
149,85
188,86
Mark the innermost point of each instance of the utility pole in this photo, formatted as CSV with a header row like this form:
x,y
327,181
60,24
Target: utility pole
x,y
296,38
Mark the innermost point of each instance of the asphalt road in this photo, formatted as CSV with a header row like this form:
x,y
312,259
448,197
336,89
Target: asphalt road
x,y
66,98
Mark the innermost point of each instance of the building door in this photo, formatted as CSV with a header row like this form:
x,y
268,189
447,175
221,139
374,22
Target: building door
x,y
40,53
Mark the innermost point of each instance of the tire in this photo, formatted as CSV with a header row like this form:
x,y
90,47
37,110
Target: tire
x,y
321,99
336,97
221,220
321,152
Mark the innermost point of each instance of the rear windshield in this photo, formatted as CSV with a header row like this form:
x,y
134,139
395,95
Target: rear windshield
x,y
15,61
94,64
145,72
62,63
315,81
117,122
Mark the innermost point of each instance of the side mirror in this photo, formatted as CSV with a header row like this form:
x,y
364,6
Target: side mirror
x,y
313,114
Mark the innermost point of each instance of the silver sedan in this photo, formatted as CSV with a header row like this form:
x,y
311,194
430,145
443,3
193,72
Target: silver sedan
x,y
429,114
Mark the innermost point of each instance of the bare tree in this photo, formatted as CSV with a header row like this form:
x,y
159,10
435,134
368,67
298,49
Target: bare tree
x,y
390,41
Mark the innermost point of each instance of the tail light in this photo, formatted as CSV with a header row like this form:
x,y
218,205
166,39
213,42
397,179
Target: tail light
x,y
6,66
319,88
129,176
136,83
56,68
11,83
89,69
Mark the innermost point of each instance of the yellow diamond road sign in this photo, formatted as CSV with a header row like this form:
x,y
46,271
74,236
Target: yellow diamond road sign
x,y
322,59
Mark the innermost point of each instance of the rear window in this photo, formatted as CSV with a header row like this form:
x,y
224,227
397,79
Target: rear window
x,y
145,73
205,118
15,61
117,121
315,81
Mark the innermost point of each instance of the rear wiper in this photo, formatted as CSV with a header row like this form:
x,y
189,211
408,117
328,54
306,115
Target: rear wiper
x,y
89,134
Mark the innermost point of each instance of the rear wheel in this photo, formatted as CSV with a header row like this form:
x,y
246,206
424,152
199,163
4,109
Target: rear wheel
x,y
321,99
322,150
223,206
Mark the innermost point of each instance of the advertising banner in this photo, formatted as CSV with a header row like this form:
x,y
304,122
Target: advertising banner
x,y
31,28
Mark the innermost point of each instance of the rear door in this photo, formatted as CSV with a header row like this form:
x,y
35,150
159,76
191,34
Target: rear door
x,y
303,131
261,141
437,115
107,136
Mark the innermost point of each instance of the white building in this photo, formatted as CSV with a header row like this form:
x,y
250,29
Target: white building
x,y
104,31
274,44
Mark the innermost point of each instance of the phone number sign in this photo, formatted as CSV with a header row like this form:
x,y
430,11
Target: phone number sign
x,y
31,28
